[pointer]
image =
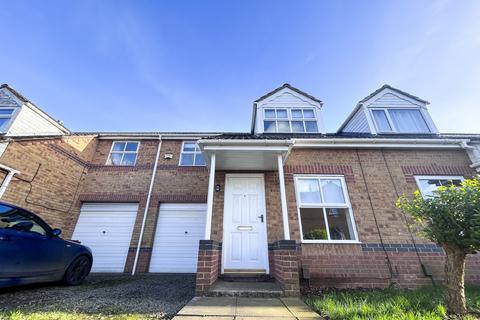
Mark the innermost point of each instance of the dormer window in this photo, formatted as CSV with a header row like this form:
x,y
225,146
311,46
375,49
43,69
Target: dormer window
x,y
296,120
6,115
397,120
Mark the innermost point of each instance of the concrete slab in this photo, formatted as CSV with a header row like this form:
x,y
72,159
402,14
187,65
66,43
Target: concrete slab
x,y
299,309
237,308
245,289
202,318
209,306
263,318
261,307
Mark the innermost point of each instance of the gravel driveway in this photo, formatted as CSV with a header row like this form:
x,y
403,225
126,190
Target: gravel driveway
x,y
113,296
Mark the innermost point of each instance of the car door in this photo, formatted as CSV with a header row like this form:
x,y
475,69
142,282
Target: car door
x,y
27,248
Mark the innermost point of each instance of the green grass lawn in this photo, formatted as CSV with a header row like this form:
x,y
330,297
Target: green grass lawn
x,y
390,304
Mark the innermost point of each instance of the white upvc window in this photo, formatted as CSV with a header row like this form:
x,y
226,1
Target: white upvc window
x,y
324,210
400,120
428,184
296,120
123,153
6,116
191,154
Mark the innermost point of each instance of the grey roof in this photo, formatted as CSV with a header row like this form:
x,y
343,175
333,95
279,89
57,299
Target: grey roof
x,y
287,85
153,134
386,86
286,136
15,92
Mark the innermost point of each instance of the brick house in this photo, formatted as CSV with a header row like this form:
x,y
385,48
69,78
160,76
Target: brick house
x,y
286,200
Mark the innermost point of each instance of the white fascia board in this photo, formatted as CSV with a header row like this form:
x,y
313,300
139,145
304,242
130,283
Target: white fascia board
x,y
242,142
246,148
380,143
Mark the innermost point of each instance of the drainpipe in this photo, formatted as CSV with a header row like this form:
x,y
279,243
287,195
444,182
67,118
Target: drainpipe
x,y
8,178
147,205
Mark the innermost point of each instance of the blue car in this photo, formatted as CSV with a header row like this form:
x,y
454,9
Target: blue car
x,y
31,251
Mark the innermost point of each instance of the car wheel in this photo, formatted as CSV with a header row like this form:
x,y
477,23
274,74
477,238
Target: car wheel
x,y
77,271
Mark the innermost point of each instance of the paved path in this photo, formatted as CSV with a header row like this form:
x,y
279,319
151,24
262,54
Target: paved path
x,y
230,308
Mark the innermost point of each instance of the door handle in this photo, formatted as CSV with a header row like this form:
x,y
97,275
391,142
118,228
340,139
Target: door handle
x,y
261,217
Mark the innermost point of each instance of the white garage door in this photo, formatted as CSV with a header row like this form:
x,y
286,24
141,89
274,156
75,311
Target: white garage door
x,y
107,229
180,227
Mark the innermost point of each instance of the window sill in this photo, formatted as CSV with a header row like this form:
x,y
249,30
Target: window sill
x,y
121,165
184,165
400,132
331,241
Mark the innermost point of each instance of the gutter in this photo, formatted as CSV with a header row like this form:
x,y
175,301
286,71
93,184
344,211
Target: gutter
x,y
147,205
8,178
380,143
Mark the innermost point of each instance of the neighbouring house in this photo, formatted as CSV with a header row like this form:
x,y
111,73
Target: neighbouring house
x,y
286,199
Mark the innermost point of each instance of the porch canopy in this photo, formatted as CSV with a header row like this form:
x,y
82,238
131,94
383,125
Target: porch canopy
x,y
245,153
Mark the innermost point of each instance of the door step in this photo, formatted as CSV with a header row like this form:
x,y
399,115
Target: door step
x,y
241,275
251,289
246,278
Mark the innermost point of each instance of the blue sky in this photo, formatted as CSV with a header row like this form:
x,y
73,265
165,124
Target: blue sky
x,y
198,65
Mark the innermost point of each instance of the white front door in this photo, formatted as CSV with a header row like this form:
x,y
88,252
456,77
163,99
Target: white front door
x,y
245,232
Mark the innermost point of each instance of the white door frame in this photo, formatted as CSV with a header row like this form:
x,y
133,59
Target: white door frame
x,y
226,226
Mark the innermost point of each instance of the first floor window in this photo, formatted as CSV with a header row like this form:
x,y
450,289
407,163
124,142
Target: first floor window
x,y
123,153
324,209
428,184
191,155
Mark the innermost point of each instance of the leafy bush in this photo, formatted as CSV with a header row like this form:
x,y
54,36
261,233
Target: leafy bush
x,y
316,234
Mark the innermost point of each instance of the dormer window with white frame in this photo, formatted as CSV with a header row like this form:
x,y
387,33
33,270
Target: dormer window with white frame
x,y
6,116
399,120
390,111
296,120
287,110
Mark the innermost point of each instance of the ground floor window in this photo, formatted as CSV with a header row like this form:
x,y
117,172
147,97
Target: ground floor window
x,y
324,209
428,184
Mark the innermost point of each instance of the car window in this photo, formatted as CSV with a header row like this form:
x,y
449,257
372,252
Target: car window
x,y
19,220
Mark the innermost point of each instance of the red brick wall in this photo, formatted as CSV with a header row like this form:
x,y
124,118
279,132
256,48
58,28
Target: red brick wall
x,y
52,173
73,171
375,179
209,254
131,184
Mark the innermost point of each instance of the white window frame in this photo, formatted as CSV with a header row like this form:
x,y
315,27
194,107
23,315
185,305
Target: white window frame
x,y
418,178
289,119
190,152
11,117
123,153
392,125
323,206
